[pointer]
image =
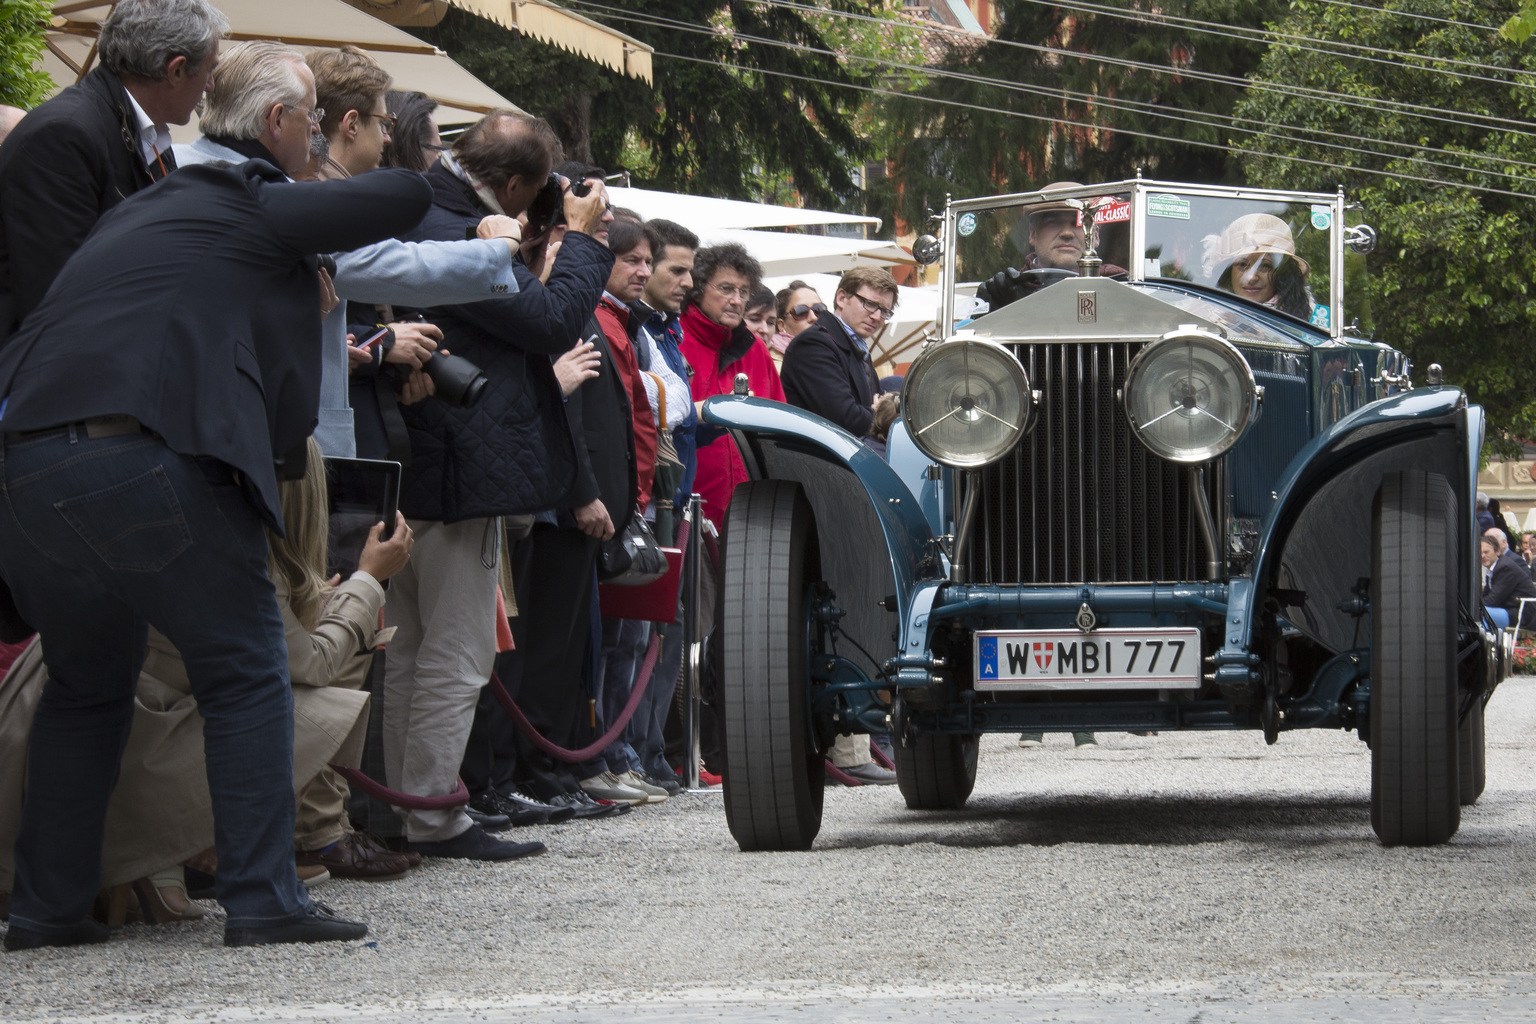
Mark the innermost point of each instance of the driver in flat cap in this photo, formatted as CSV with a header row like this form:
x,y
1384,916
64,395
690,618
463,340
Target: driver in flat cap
x,y
1056,242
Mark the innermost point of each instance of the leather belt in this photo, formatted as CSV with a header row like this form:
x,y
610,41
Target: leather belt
x,y
95,428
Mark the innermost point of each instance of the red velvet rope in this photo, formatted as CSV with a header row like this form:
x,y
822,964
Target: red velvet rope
x,y
397,799
596,746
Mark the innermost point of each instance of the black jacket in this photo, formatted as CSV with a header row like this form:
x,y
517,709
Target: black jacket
x,y
602,424
67,163
1509,581
195,307
825,373
512,453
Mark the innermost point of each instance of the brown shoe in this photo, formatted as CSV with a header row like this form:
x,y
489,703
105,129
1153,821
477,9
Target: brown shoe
x,y
350,858
375,843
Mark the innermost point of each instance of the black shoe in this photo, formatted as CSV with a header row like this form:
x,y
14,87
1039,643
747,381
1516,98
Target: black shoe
x,y
89,932
522,810
320,925
474,844
667,782
584,807
494,822
523,798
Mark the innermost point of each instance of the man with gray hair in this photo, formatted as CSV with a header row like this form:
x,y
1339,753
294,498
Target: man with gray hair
x,y
97,142
261,106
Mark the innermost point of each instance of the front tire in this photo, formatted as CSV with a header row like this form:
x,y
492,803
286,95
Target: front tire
x,y
1415,791
774,773
936,771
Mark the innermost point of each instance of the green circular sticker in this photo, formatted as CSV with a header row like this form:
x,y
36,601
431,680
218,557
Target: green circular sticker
x,y
966,225
1322,216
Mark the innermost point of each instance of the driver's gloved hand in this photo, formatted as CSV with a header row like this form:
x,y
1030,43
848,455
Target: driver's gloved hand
x,y
1003,287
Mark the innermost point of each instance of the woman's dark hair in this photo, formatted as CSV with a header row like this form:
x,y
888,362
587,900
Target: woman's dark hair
x,y
1294,297
760,298
413,121
781,307
710,260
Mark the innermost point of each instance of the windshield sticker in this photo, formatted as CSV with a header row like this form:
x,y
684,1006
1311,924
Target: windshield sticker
x,y
1322,216
1114,211
1319,313
1175,207
966,225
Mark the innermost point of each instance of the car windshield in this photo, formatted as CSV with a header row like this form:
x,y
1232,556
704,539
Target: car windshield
x,y
1271,252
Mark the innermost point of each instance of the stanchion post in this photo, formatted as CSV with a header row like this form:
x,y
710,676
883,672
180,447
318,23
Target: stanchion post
x,y
691,638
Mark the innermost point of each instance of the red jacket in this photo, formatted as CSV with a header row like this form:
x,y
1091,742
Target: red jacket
x,y
717,354
614,320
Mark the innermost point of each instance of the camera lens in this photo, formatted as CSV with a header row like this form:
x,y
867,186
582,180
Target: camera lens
x,y
457,380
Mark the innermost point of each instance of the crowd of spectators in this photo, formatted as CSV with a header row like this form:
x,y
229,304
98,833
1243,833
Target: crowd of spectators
x,y
188,333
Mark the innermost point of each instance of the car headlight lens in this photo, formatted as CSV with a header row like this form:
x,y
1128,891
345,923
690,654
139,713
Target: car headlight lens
x,y
1189,395
967,402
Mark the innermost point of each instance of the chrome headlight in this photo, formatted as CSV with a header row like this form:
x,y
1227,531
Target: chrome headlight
x,y
1190,395
967,402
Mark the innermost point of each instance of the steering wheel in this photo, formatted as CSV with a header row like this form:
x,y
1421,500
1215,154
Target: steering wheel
x,y
1011,285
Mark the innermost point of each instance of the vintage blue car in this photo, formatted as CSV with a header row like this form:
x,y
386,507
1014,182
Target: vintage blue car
x,y
1148,492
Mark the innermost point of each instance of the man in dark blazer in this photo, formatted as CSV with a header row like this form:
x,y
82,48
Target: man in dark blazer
x,y
1508,579
827,369
146,406
98,142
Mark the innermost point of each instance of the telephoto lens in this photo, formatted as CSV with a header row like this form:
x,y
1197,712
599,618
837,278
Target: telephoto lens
x,y
457,380
327,263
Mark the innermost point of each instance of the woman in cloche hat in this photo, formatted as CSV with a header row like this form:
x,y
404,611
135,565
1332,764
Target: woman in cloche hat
x,y
1255,258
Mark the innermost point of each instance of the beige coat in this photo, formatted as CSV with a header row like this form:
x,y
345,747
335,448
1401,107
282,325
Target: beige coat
x,y
160,813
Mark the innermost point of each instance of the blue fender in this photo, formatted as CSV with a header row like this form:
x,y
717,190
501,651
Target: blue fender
x,y
1401,423
912,550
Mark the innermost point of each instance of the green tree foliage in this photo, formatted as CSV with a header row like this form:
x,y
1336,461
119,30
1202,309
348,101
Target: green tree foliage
x,y
21,47
726,117
1019,117
1451,280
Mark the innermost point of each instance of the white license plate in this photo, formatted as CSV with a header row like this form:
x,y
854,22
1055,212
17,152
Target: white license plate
x,y
1106,659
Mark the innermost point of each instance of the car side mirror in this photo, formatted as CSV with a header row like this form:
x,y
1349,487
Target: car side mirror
x,y
927,249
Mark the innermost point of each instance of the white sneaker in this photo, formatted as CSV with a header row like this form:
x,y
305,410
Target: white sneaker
x,y
607,786
653,794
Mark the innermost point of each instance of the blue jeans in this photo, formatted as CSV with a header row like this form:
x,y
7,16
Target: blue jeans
x,y
100,539
646,730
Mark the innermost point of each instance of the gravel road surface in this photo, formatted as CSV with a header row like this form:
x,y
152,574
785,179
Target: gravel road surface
x,y
1198,876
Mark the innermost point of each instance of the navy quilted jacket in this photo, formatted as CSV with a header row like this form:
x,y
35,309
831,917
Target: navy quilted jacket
x,y
512,452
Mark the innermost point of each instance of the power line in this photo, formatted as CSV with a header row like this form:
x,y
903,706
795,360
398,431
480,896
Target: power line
x,y
1455,116
1242,33
1124,131
1130,106
1409,14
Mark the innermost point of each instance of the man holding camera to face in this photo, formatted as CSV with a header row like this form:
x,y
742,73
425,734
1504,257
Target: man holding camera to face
x,y
507,450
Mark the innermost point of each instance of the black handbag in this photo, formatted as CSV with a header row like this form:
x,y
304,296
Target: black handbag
x,y
632,558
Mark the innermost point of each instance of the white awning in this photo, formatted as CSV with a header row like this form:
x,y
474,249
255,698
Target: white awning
x,y
306,24
782,252
540,19
693,211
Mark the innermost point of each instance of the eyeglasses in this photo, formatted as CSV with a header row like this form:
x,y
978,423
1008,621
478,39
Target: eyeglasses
x,y
874,307
386,121
315,114
801,310
730,292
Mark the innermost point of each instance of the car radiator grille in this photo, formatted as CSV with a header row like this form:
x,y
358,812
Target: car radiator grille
x,y
1081,500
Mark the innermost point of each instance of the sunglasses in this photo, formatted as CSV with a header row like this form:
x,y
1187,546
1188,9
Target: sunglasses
x,y
801,310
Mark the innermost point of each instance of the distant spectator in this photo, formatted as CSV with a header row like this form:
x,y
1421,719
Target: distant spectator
x,y
761,315
414,142
1509,542
1485,519
1508,580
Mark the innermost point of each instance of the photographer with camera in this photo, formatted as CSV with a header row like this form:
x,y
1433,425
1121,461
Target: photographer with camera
x,y
509,453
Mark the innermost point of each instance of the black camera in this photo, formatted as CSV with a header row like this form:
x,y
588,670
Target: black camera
x,y
458,381
548,206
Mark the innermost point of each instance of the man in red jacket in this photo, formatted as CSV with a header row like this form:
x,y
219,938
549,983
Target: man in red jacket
x,y
718,345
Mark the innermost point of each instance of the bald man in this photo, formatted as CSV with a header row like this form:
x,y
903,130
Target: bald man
x,y
10,117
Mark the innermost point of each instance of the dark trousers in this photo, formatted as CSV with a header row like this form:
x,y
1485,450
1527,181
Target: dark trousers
x,y
646,733
552,571
624,642
100,539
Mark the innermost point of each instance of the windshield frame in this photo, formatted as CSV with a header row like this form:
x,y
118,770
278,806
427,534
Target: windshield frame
x,y
1139,189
